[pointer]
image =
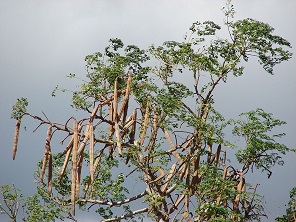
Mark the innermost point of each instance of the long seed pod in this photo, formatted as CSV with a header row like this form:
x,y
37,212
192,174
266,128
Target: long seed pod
x,y
133,130
16,137
111,98
127,124
83,143
115,105
107,101
162,174
124,113
74,166
195,176
186,205
91,151
98,160
49,181
63,170
46,153
118,138
93,113
187,173
111,128
237,197
44,164
209,153
153,135
132,122
115,117
78,176
223,178
217,156
70,144
91,145
169,177
126,98
224,173
145,124
179,200
172,146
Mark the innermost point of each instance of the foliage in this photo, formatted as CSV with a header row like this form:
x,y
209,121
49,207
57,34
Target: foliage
x,y
291,210
33,208
20,108
151,141
11,198
261,150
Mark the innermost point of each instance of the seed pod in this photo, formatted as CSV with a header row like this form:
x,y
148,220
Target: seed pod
x,y
115,105
145,124
49,181
172,146
74,166
16,137
46,152
124,105
91,151
63,170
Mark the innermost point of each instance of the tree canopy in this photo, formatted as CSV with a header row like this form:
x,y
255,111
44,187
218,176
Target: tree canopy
x,y
150,145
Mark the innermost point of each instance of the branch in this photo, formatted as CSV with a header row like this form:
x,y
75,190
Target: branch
x,y
213,87
196,81
58,126
111,203
127,215
188,108
70,216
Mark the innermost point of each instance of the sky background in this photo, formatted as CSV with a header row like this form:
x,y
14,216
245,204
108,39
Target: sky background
x,y
43,41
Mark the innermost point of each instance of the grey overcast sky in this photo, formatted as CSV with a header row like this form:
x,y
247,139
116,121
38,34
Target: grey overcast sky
x,y
43,41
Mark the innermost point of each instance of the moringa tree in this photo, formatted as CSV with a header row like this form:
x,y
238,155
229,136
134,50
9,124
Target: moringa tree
x,y
151,145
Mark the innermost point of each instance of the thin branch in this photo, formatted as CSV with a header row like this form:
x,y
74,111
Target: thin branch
x,y
127,215
188,108
111,203
45,116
